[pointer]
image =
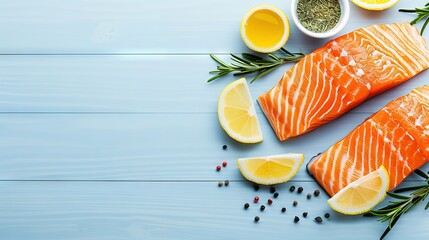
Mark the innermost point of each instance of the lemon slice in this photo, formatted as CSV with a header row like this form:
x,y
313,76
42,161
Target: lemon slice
x,y
363,194
270,169
237,114
265,28
377,5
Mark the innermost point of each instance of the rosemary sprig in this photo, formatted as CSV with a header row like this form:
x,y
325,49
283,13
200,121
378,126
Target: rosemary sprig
x,y
394,210
250,63
422,13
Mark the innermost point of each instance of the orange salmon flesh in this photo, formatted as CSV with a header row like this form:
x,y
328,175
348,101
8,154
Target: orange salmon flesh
x,y
397,137
339,76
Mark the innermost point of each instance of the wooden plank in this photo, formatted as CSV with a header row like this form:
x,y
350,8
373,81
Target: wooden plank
x,y
140,146
129,26
100,210
155,84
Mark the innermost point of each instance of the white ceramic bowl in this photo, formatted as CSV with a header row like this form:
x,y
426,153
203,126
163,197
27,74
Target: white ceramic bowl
x,y
345,14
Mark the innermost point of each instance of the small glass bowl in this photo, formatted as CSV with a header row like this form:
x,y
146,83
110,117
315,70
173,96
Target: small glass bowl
x,y
345,14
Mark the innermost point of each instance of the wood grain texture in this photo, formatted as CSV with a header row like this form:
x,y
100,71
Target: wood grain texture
x,y
141,146
100,210
108,129
132,26
149,84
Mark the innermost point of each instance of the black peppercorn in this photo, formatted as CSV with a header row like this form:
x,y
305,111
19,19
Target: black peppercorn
x,y
300,189
219,184
292,188
296,219
262,207
327,215
257,219
284,209
304,214
295,203
272,189
318,219
246,205
316,193
256,187
224,147
276,194
308,196
226,182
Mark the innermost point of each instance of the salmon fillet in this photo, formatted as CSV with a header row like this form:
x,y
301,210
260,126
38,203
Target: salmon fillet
x,y
339,76
397,137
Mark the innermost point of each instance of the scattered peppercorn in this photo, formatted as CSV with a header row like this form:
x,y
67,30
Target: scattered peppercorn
x,y
316,193
256,187
270,201
218,168
295,203
262,207
256,199
300,189
246,205
308,196
272,189
226,182
296,219
224,147
327,215
304,214
257,219
276,194
292,188
284,209
219,184
224,164
318,219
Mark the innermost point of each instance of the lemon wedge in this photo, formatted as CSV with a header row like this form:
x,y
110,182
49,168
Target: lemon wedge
x,y
363,194
270,169
237,114
376,5
265,28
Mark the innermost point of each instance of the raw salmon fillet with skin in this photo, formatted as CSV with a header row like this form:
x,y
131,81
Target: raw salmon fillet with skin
x,y
396,137
339,76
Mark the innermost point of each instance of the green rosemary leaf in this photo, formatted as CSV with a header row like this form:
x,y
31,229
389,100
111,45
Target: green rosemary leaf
x,y
427,206
389,228
422,13
418,19
286,51
218,60
397,196
239,59
399,190
241,73
250,63
274,57
407,10
251,57
421,174
263,73
217,76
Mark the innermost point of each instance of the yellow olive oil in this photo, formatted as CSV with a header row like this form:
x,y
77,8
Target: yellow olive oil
x,y
264,28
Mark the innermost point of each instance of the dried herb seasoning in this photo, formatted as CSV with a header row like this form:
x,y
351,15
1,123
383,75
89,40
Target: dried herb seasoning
x,y
319,15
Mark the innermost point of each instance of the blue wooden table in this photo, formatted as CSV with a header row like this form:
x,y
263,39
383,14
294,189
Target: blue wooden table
x,y
108,129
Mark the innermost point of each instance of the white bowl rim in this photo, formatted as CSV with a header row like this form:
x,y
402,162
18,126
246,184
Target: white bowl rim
x,y
343,20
